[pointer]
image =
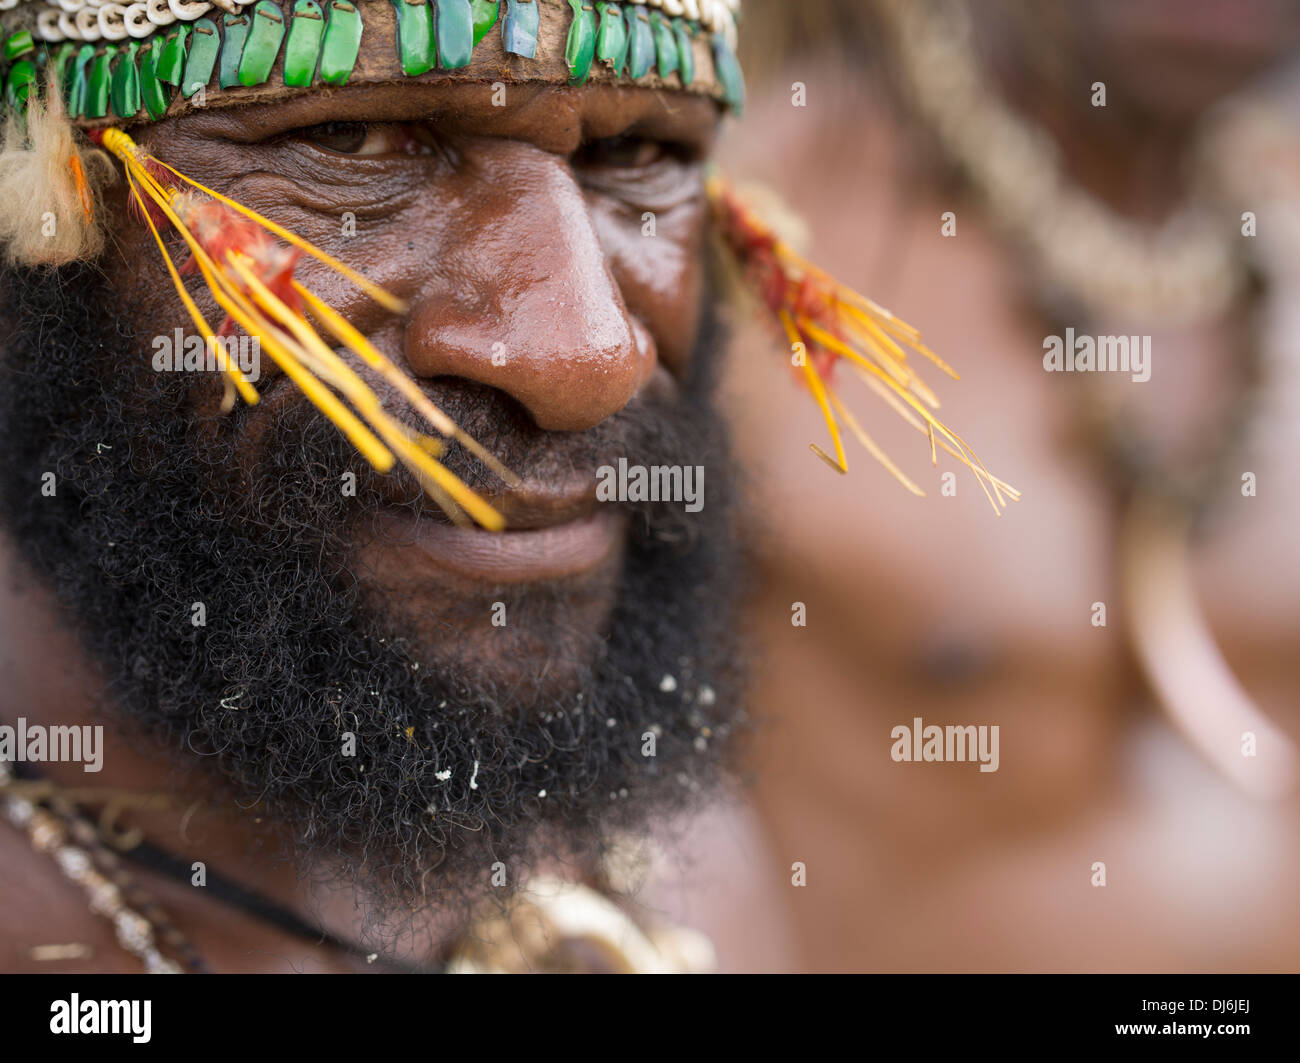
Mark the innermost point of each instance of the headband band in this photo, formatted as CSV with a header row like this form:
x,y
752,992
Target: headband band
x,y
124,65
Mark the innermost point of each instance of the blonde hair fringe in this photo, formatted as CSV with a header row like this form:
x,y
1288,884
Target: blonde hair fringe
x,y
49,187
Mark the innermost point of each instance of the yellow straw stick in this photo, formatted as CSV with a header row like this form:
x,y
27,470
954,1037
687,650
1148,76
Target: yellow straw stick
x,y
378,294
410,390
242,384
840,463
870,445
361,438
362,397
833,322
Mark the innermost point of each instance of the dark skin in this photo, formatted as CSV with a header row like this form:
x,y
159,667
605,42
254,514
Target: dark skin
x,y
591,313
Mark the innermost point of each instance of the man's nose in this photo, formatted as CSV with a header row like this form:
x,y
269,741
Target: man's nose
x,y
524,301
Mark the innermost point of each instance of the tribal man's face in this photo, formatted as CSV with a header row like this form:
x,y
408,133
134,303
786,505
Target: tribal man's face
x,y
539,303
499,691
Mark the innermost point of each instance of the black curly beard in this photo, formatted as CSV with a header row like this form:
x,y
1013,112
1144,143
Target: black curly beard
x,y
456,768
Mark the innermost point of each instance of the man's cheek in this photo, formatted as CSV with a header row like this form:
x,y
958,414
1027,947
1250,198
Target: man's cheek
x,y
658,269
169,356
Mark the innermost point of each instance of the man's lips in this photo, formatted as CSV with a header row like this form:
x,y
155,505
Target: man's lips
x,y
520,556
548,536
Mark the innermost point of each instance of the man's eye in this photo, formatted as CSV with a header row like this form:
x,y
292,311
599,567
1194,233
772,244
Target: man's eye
x,y
363,138
623,153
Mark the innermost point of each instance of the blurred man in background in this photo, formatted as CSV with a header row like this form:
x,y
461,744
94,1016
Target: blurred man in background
x,y
997,173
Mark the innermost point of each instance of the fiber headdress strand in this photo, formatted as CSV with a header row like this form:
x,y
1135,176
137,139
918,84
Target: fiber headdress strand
x,y
78,74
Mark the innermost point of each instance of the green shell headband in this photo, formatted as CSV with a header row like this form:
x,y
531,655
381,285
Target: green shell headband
x,y
119,64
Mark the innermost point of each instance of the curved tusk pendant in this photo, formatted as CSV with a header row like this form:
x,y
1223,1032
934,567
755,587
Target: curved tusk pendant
x,y
1183,663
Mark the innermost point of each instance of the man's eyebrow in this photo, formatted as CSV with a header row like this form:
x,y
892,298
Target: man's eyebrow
x,y
464,108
